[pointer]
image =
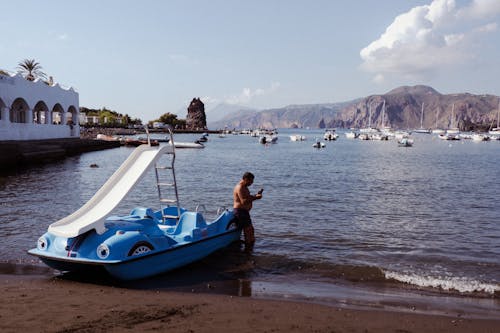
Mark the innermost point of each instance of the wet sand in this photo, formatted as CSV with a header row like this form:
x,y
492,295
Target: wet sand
x,y
43,304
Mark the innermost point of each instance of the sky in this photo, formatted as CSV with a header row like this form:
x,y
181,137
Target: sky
x,y
146,58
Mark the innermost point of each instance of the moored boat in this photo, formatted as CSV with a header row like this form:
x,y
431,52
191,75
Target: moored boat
x,y
405,142
143,243
330,135
297,137
318,144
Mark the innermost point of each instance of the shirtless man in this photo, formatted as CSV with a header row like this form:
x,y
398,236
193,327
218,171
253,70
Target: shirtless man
x,y
242,206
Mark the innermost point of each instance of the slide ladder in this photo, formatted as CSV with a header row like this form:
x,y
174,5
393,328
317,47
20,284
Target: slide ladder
x,y
166,183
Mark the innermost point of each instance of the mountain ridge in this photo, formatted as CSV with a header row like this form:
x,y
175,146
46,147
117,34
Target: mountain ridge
x,y
403,109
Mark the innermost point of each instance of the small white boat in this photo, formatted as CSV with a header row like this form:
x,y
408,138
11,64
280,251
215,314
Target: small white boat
x,y
405,142
480,137
330,135
197,145
268,139
379,137
297,137
449,136
401,135
318,144
105,137
351,135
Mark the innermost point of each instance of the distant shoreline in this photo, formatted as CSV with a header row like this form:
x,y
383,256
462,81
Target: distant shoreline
x,y
91,133
24,153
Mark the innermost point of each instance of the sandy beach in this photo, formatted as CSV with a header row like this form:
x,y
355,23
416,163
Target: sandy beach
x,y
42,304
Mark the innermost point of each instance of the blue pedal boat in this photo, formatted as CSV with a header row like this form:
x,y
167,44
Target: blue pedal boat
x,y
143,243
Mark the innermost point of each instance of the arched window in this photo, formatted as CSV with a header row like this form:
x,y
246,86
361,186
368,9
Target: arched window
x,y
2,106
40,113
19,111
57,114
71,116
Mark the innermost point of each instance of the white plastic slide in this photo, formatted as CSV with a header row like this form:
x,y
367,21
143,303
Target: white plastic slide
x,y
93,214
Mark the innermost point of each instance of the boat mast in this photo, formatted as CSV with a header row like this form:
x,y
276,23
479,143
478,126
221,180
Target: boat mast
x,y
370,119
422,116
452,115
498,114
383,114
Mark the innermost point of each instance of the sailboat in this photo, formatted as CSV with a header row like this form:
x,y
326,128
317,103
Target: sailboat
x,y
422,129
452,132
386,129
369,129
496,131
437,130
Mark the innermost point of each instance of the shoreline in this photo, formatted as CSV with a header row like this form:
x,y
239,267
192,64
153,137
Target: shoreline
x,y
43,304
17,154
199,298
26,153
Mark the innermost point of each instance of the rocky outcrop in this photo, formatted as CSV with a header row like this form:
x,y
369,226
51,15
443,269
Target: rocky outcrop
x,y
196,118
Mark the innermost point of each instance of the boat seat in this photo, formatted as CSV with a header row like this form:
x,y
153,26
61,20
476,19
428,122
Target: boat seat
x,y
142,212
188,222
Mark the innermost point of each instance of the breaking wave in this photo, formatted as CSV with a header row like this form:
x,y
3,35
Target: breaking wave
x,y
458,284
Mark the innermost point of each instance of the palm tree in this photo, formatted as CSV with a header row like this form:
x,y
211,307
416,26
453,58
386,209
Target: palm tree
x,y
31,69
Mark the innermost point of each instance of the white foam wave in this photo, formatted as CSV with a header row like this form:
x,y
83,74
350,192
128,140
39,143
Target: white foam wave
x,y
460,284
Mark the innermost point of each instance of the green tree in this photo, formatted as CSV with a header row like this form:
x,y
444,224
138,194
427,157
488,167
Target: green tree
x,y
168,118
31,69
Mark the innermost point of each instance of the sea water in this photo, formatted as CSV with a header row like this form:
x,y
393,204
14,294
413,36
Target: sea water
x,y
355,222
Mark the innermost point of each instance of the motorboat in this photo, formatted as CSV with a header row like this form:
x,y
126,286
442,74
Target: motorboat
x,y
202,138
105,137
380,136
405,142
351,134
163,139
196,145
137,142
480,137
297,137
364,136
143,243
268,139
318,144
330,135
449,136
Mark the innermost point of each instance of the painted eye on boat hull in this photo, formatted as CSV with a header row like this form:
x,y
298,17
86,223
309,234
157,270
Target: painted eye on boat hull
x,y
103,251
42,243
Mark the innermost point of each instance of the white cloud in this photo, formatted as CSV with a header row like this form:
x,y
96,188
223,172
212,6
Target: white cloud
x,y
480,9
63,36
247,94
379,78
426,38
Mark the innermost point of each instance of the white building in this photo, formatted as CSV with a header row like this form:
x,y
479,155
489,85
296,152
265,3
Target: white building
x,y
34,110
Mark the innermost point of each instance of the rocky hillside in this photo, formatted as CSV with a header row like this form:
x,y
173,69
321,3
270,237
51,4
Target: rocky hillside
x,y
402,110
